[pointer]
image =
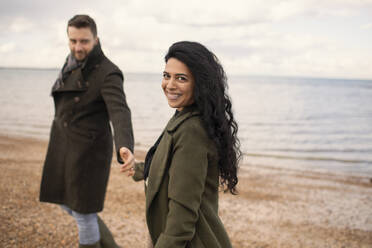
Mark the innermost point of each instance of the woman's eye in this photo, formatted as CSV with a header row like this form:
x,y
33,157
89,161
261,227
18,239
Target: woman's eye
x,y
182,78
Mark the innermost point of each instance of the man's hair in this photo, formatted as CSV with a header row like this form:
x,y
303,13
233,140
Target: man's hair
x,y
83,21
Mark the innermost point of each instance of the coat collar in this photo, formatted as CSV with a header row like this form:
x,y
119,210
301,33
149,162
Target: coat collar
x,y
75,82
80,74
94,58
180,117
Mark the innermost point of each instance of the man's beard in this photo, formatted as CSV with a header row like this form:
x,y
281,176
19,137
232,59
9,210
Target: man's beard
x,y
80,56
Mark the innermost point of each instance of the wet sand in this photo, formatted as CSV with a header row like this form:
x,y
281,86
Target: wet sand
x,y
275,207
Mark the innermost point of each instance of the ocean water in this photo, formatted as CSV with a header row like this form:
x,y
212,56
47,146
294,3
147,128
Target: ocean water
x,y
302,123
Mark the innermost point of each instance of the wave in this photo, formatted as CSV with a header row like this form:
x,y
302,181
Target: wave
x,y
310,158
350,150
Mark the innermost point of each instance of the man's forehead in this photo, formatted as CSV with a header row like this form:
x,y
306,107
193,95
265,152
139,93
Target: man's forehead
x,y
79,33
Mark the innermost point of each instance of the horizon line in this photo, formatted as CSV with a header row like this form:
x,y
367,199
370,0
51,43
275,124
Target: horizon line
x,y
236,75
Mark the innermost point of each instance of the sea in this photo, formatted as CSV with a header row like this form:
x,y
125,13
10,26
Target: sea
x,y
316,124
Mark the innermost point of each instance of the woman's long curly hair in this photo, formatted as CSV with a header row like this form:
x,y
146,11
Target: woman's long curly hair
x,y
214,104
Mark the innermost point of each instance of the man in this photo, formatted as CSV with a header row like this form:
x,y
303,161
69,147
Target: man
x,y
87,95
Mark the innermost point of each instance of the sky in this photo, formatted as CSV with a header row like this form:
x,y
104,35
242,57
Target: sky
x,y
307,38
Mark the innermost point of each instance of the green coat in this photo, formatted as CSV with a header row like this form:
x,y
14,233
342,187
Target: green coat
x,y
182,187
77,164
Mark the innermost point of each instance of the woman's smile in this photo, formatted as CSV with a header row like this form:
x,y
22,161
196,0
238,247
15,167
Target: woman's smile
x,y
178,84
172,96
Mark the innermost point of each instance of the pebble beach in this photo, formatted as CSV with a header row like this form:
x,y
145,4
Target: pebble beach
x,y
276,207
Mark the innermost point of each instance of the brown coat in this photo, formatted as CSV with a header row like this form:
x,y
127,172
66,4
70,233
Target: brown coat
x,y
77,164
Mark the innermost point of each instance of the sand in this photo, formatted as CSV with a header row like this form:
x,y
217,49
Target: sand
x,y
276,207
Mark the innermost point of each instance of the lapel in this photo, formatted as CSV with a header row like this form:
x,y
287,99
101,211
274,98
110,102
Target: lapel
x,y
158,167
74,82
163,154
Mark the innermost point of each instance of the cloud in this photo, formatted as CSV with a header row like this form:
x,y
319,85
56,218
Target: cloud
x,y
367,26
20,24
276,37
7,47
242,12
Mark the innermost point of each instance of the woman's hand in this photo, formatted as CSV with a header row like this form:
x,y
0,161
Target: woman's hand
x,y
128,158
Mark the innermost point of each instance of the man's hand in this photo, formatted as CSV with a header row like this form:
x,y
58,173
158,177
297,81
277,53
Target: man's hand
x,y
128,158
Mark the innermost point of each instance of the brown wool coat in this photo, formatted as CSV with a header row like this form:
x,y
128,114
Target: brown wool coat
x,y
182,187
77,164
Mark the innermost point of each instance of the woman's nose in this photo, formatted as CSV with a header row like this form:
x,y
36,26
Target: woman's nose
x,y
171,83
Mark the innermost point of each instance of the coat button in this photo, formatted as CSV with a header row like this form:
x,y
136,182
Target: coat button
x,y
65,124
77,99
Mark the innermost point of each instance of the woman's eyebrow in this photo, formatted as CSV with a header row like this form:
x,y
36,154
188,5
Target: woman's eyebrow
x,y
181,74
177,74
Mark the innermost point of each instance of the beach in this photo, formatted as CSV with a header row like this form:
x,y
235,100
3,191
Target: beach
x,y
275,207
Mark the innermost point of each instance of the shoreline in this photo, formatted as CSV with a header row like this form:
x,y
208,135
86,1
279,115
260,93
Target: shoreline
x,y
142,149
276,207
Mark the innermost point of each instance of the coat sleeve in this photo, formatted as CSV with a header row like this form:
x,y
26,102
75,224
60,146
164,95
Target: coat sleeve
x,y
139,168
187,178
120,116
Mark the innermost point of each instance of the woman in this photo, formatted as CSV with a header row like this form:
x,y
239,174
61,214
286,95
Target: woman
x,y
197,153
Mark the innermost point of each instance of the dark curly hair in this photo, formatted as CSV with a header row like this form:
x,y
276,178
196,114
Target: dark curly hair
x,y
214,104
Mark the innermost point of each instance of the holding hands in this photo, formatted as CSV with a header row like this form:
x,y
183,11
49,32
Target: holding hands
x,y
128,158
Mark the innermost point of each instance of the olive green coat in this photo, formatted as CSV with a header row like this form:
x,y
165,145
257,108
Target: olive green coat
x,y
77,164
182,187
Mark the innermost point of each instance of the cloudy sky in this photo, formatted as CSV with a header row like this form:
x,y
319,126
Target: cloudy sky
x,y
316,38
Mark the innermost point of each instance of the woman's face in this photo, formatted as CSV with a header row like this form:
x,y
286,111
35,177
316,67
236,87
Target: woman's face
x,y
178,84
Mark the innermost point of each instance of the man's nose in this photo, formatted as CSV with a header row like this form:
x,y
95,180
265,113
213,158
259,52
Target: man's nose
x,y
78,46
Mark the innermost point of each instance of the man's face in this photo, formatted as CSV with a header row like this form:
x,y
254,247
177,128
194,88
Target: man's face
x,y
81,42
